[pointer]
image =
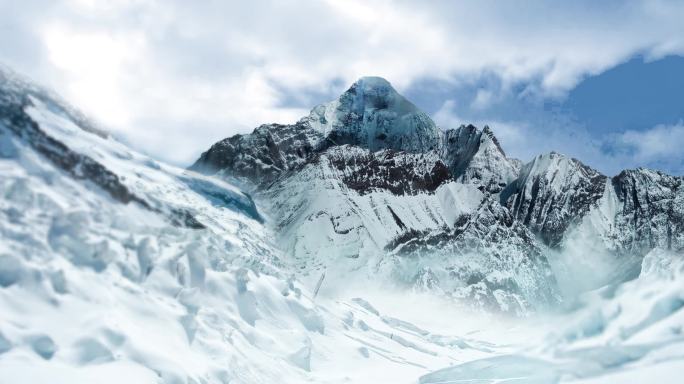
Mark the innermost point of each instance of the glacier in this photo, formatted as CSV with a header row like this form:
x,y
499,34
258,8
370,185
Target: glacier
x,y
442,260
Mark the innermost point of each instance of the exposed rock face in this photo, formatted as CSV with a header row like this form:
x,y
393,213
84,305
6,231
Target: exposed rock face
x,y
633,212
399,173
475,156
650,211
551,193
368,182
262,155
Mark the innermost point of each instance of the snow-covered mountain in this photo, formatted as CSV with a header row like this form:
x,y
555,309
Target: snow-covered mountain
x,y
368,184
115,266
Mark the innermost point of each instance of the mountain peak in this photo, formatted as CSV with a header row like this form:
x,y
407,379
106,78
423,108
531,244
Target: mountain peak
x,y
373,115
374,86
373,82
375,93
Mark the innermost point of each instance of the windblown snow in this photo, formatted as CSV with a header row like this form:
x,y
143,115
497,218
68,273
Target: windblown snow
x,y
115,267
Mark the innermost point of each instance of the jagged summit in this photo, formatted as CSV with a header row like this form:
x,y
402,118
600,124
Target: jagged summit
x,y
551,192
371,114
475,156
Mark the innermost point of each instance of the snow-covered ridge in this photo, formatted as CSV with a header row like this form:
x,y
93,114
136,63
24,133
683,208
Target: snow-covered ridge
x,y
631,213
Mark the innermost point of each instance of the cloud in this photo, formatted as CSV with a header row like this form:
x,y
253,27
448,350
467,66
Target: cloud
x,y
543,132
658,147
540,133
174,76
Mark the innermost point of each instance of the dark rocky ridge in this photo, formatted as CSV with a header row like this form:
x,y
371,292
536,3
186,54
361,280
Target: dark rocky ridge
x,y
370,115
262,155
400,173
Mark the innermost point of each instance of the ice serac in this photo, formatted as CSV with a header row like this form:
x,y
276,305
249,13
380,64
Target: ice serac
x,y
100,245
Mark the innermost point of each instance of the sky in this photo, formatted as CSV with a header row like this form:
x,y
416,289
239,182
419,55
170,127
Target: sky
x,y
599,81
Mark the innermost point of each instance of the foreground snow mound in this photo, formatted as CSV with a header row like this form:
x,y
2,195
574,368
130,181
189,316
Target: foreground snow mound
x,y
626,333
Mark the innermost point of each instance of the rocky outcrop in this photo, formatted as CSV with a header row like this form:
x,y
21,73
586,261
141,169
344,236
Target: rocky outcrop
x,y
263,155
633,212
551,193
399,173
650,211
475,156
